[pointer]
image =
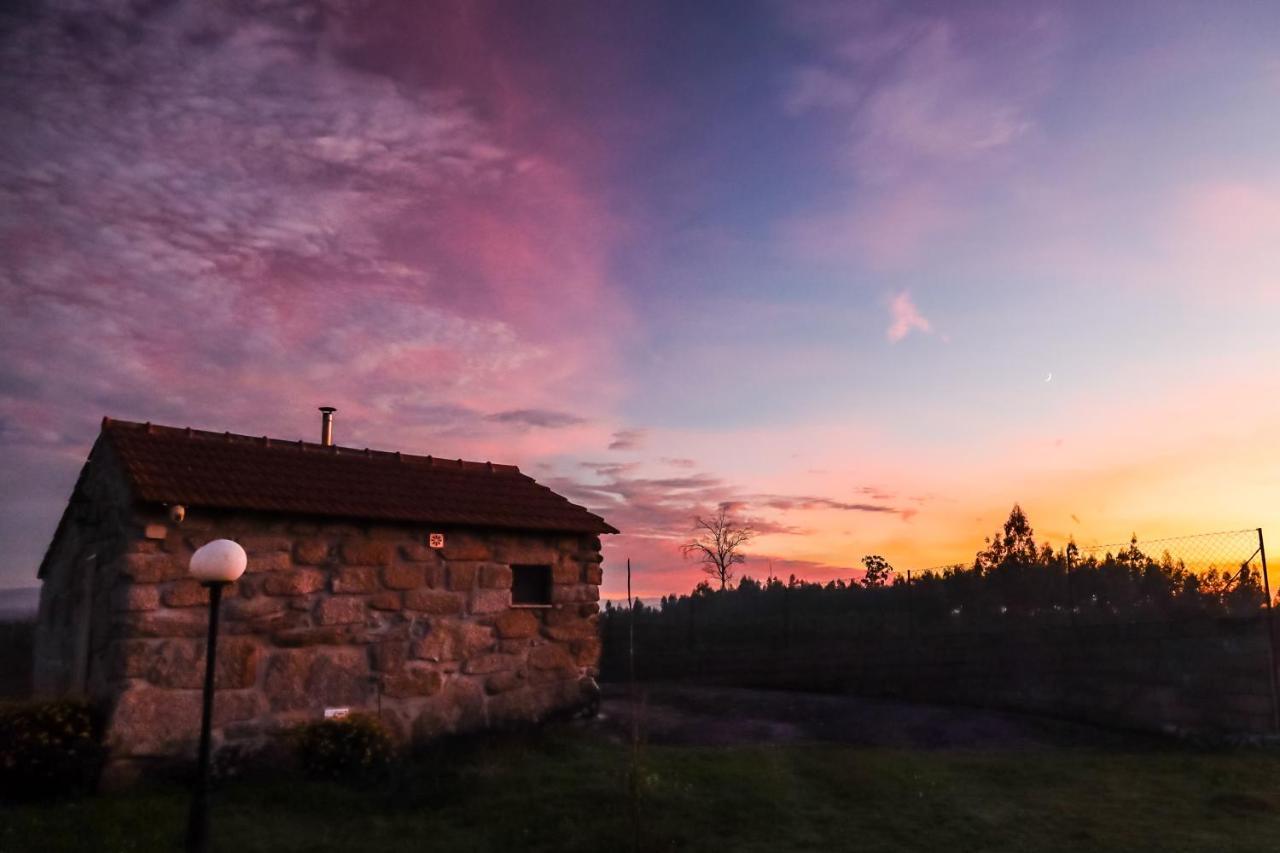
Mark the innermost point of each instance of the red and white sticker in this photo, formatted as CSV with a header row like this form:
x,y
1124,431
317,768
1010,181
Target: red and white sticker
x,y
435,540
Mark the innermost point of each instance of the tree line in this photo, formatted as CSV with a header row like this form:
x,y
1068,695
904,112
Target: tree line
x,y
1012,578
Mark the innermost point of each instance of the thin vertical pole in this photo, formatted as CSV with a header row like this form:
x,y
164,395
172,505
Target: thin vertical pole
x,y
633,774
1271,636
786,617
1066,575
914,651
1071,589
631,633
198,817
693,636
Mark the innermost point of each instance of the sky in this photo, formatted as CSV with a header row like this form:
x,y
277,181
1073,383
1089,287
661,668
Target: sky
x,y
868,272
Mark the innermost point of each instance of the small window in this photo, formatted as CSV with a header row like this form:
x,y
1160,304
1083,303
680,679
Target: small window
x,y
530,586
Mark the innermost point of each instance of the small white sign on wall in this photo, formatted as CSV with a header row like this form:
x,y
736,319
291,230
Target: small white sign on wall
x,y
435,540
336,713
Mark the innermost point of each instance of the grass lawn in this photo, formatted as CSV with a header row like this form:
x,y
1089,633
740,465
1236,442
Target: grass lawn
x,y
567,790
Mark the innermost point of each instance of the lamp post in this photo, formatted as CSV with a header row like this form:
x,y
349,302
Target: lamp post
x,y
215,565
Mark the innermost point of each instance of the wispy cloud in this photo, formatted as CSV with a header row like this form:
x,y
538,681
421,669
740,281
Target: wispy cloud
x,y
536,418
424,214
924,88
905,318
656,514
800,502
221,170
198,197
651,510
930,100
876,493
628,439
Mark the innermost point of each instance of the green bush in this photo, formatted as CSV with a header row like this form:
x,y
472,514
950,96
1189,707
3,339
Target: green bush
x,y
51,748
356,748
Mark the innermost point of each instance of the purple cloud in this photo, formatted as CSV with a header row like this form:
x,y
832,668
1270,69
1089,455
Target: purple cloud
x,y
628,439
225,216
536,418
931,99
798,502
925,88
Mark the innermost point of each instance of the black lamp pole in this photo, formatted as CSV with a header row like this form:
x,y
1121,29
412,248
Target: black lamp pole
x,y
198,818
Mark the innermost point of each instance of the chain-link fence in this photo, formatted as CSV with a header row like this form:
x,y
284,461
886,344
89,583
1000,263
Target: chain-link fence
x,y
1176,633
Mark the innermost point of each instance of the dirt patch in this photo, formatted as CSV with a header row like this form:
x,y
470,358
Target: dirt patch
x,y
721,716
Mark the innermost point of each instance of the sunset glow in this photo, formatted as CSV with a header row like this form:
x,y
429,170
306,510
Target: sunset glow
x,y
815,260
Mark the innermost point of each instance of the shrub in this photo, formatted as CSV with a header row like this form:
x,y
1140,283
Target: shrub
x,y
51,748
16,644
356,748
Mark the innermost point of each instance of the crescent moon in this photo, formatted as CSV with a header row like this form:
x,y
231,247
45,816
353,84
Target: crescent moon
x,y
1049,378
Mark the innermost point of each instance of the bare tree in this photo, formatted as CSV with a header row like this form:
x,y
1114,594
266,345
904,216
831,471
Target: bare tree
x,y
716,543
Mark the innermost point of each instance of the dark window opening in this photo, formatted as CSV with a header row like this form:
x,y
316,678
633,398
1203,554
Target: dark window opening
x,y
530,585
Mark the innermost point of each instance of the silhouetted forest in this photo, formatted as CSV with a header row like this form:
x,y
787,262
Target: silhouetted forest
x,y
1013,581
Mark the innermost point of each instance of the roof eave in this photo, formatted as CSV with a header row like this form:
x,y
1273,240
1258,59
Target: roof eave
x,y
601,528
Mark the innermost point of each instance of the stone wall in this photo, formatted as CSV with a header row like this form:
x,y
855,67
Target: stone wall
x,y
76,593
341,615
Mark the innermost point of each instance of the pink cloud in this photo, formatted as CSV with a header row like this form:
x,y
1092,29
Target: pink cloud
x,y
658,568
656,512
906,318
1232,217
1204,238
1222,240
212,250
459,267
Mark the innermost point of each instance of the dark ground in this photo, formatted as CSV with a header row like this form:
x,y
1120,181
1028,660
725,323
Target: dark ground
x,y
720,770
727,716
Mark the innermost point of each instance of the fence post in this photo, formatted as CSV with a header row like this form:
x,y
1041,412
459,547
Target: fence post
x,y
631,636
633,771
1071,592
1066,573
786,617
914,651
1271,636
693,634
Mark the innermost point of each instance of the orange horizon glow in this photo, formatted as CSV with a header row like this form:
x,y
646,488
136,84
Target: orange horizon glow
x,y
870,273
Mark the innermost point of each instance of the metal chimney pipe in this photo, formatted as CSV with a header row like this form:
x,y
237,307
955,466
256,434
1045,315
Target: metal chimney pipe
x,y
326,425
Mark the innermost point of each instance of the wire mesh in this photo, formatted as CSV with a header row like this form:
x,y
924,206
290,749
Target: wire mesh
x,y
1175,632
1219,573
1222,572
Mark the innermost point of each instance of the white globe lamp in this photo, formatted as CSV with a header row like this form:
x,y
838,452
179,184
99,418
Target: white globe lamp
x,y
215,565
219,561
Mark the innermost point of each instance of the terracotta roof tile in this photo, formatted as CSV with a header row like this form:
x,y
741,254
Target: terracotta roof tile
x,y
224,470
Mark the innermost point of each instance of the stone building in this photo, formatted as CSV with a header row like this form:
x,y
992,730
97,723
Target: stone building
x,y
442,595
